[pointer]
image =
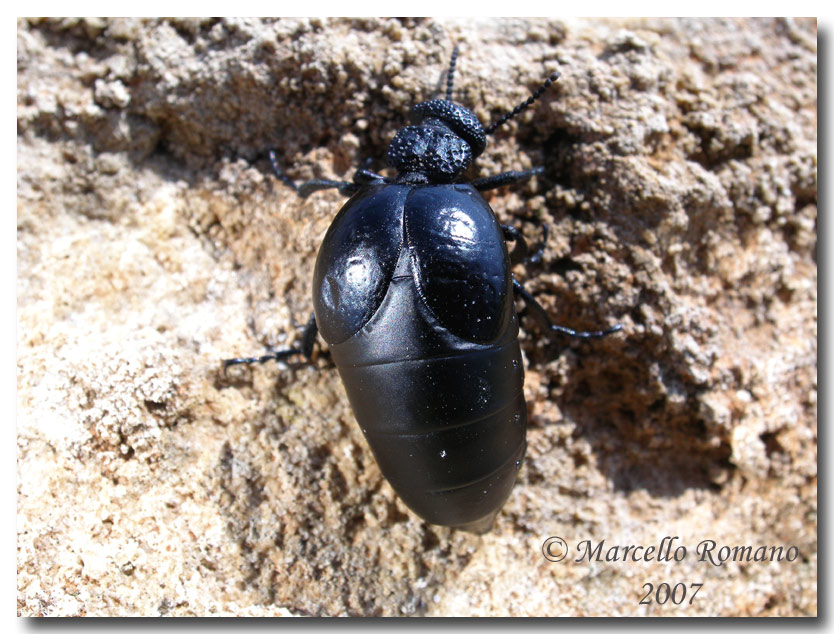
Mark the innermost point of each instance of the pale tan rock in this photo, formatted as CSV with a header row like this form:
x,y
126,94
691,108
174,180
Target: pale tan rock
x,y
153,241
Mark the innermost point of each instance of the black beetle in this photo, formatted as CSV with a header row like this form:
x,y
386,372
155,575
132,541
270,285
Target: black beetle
x,y
414,295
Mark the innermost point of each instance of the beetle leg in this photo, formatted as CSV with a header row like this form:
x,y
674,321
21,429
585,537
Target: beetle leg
x,y
543,320
308,340
521,252
308,337
305,189
364,176
505,178
308,187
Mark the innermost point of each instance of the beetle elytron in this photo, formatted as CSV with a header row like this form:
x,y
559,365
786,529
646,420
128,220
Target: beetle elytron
x,y
414,295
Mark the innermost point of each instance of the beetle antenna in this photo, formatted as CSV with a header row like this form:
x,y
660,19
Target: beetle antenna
x,y
450,76
525,104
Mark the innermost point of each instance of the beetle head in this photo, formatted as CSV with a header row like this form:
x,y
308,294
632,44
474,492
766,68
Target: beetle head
x,y
445,137
443,141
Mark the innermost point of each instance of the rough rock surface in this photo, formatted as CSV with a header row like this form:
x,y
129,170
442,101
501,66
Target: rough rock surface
x,y
153,241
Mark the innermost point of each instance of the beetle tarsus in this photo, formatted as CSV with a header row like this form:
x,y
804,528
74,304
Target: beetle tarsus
x,y
543,320
278,355
308,341
362,177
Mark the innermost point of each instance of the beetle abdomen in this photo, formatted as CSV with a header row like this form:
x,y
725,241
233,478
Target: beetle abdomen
x,y
445,418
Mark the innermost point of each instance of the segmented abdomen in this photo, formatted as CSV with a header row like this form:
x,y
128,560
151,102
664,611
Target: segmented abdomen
x,y
445,418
